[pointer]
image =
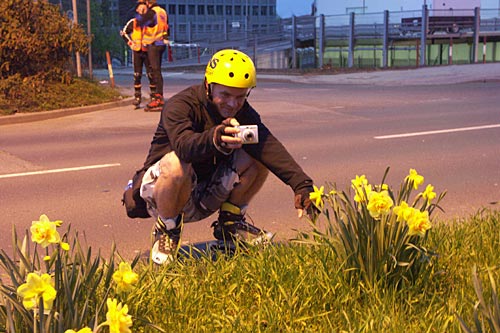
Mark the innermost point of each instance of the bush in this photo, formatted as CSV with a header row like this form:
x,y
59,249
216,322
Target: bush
x,y
37,39
36,46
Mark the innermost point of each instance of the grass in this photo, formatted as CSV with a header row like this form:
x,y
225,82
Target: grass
x,y
297,287
55,95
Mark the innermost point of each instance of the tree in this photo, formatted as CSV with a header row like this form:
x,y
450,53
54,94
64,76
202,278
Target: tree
x,y
36,40
36,46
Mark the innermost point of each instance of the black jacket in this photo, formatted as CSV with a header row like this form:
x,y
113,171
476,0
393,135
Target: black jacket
x,y
187,125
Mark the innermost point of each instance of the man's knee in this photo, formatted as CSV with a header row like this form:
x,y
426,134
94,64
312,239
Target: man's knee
x,y
244,162
248,167
173,168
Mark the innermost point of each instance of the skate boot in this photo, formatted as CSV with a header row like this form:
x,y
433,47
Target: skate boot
x,y
231,226
137,101
156,104
166,241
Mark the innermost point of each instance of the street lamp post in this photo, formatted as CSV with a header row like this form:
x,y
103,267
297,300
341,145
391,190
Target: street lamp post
x,y
89,36
75,20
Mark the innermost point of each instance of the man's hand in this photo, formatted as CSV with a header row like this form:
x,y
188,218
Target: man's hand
x,y
303,203
224,135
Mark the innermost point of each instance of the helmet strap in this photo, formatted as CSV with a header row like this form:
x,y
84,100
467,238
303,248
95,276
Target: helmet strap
x,y
208,89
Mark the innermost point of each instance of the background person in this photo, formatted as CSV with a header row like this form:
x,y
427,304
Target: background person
x,y
132,34
154,21
196,166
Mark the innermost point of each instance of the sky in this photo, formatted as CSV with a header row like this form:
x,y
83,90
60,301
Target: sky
x,y
287,8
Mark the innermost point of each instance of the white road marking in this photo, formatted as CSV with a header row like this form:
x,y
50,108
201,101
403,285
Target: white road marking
x,y
43,172
451,130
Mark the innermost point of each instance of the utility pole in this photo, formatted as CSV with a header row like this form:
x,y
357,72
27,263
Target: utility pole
x,y
75,21
89,36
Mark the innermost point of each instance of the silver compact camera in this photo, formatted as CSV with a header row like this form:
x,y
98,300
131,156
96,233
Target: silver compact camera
x,y
249,134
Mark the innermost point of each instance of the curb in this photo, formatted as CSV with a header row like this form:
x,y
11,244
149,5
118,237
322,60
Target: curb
x,y
19,118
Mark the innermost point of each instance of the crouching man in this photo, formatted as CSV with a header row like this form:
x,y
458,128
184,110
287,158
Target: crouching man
x,y
200,162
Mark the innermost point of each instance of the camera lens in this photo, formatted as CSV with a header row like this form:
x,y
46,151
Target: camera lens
x,y
248,136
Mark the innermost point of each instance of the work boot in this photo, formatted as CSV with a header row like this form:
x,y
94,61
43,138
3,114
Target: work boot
x,y
137,100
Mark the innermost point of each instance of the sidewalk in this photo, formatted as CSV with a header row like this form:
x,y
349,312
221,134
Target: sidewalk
x,y
420,76
437,75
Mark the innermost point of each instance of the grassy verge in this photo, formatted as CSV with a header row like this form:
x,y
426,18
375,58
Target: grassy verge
x,y
282,288
53,95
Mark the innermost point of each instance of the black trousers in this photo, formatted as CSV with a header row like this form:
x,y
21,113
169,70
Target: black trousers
x,y
140,60
155,55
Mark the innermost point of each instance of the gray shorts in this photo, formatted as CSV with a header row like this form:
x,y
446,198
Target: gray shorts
x,y
206,196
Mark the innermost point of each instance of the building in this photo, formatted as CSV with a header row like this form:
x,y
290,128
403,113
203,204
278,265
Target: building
x,y
195,21
218,20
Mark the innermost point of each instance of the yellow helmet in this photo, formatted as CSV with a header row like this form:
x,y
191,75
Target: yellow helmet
x,y
231,68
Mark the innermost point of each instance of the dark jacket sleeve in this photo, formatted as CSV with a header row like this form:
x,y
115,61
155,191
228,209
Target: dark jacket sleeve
x,y
190,128
127,30
184,128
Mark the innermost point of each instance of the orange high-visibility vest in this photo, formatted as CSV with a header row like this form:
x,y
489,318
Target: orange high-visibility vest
x,y
158,32
135,35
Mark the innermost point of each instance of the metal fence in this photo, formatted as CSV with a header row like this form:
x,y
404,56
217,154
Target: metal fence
x,y
384,39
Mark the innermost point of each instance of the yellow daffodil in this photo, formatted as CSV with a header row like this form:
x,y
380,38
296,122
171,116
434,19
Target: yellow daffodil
x,y
44,231
415,178
117,317
37,286
65,246
359,182
429,193
317,196
379,204
360,193
419,223
83,330
125,278
403,211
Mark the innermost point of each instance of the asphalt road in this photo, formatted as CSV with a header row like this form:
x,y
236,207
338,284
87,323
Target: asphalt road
x,y
75,168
